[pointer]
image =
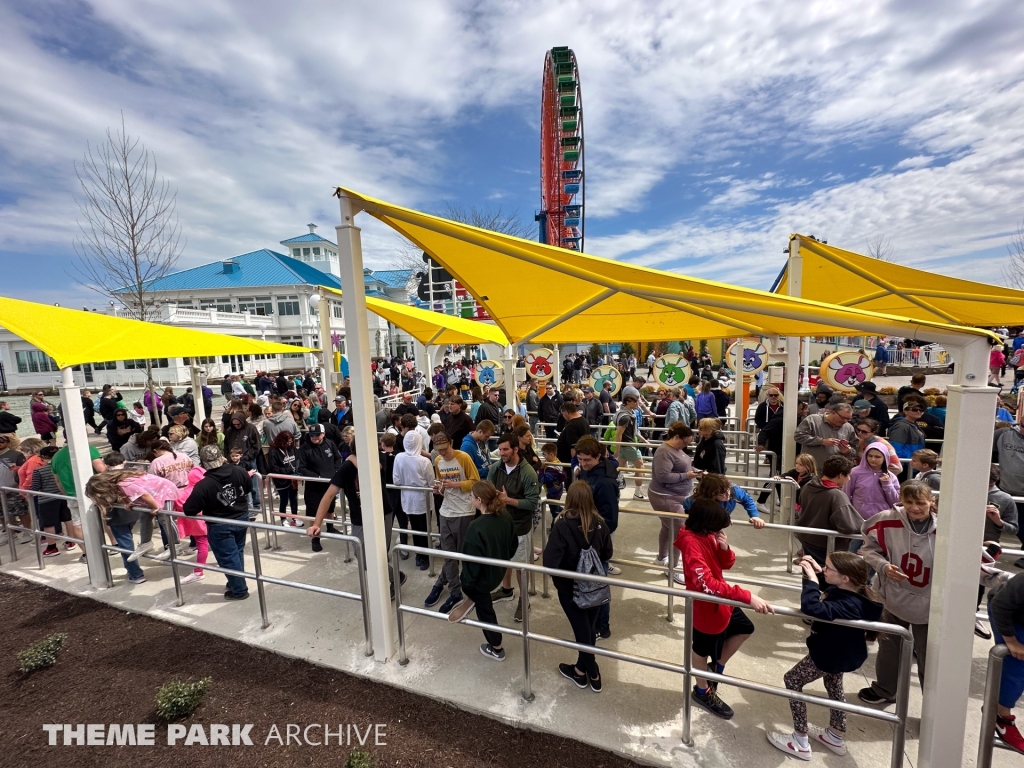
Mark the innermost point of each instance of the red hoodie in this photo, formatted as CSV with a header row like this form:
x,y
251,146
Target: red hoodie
x,y
703,563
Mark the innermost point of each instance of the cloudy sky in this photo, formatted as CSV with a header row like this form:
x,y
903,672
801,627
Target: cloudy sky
x,y
713,130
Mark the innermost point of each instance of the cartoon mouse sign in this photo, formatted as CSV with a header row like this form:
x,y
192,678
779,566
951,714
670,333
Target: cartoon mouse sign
x,y
844,370
540,364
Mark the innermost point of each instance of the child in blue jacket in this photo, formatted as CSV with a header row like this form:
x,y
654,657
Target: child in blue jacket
x,y
719,488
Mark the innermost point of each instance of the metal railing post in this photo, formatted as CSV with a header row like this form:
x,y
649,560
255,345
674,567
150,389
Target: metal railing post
x,y
170,528
11,543
544,516
403,657
688,669
361,566
899,730
34,522
107,573
524,602
344,528
260,484
989,703
430,529
258,570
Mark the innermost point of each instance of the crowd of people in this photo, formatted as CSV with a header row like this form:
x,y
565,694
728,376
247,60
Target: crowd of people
x,y
484,466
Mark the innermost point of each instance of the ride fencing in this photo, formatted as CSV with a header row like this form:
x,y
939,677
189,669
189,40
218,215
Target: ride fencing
x,y
34,529
990,701
898,719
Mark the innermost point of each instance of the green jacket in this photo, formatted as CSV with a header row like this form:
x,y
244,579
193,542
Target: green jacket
x,y
522,485
491,536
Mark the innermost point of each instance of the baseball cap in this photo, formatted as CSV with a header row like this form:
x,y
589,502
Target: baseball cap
x,y
175,410
317,429
210,456
441,438
339,399
587,389
861,405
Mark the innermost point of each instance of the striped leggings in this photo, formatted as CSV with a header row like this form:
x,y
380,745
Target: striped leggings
x,y
806,672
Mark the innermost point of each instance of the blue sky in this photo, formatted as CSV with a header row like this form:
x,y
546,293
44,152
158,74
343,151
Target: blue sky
x,y
712,130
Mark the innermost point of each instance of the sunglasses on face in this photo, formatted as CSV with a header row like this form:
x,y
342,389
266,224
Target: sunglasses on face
x,y
773,397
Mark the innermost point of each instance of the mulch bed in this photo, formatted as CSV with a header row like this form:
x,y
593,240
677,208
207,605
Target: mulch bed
x,y
114,662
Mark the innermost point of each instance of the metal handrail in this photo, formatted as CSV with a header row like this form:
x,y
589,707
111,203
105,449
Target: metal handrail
x,y
266,490
898,720
35,529
990,700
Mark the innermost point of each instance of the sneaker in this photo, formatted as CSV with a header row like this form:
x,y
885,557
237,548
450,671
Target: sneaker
x,y
492,653
331,528
825,737
434,596
137,579
639,496
981,630
165,555
69,546
184,550
604,634
451,602
403,555
709,700
83,559
233,596
1006,732
26,538
614,570
595,683
868,696
518,615
316,545
568,671
501,595
786,742
140,551
422,562
662,561
193,577
461,611
51,551
296,523
679,578
401,580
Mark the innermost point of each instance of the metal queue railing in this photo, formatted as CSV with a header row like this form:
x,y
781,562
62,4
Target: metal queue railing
x,y
266,495
35,530
990,701
166,518
898,719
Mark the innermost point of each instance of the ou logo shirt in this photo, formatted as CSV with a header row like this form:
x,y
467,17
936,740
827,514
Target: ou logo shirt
x,y
917,574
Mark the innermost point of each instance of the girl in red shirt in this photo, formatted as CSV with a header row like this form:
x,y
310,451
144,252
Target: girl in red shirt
x,y
718,630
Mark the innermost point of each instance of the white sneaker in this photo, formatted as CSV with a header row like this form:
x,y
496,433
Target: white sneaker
x,y
820,736
679,578
785,742
26,538
638,495
193,577
140,551
165,555
613,570
662,561
185,549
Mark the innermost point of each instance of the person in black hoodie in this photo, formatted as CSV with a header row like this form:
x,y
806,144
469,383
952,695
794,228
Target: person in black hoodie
x,y
221,496
240,435
576,528
489,408
120,429
601,473
317,457
839,591
709,453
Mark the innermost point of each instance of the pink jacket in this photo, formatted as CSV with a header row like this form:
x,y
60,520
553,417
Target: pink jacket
x,y
190,527
872,492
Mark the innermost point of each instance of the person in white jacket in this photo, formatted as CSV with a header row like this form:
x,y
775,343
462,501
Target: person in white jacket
x,y
413,469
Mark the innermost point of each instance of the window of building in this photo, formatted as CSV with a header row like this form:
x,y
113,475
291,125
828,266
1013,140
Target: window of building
x,y
111,365
187,361
287,305
261,305
221,305
34,361
297,253
316,251
140,365
295,341
305,251
337,310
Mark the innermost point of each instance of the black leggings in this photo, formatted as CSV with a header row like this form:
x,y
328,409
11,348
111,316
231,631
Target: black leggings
x,y
584,628
289,497
484,610
419,523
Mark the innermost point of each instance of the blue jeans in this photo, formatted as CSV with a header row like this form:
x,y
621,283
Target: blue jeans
x,y
1011,683
227,542
124,539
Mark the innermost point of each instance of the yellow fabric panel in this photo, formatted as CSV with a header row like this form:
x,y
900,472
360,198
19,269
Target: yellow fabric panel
x,y
72,337
851,279
549,295
425,325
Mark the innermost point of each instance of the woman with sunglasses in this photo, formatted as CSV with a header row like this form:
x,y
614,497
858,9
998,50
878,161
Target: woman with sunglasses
x,y
867,431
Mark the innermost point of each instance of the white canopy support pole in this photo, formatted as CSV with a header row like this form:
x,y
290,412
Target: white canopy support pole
x,y
197,395
806,357
81,469
966,458
326,347
423,361
509,363
350,259
794,273
556,369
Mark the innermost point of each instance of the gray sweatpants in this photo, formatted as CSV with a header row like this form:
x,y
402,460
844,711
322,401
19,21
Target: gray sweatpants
x,y
453,536
887,664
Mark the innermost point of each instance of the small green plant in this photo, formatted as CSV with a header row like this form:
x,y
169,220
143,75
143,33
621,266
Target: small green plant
x,y
359,758
178,700
41,654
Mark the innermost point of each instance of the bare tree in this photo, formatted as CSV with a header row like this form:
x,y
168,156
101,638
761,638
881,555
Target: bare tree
x,y
1013,272
880,247
130,233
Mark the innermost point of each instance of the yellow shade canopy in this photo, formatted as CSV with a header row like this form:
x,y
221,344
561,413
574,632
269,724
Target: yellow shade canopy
x,y
429,327
851,280
547,295
72,337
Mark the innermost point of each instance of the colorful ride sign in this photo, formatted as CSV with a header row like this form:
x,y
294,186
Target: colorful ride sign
x,y
755,356
671,371
607,373
489,373
540,364
844,370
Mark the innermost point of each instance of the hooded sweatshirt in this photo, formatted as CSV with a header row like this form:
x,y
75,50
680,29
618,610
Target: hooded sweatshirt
x,y
118,432
709,454
187,527
703,563
277,423
824,505
869,491
413,469
223,492
835,648
243,436
312,460
890,539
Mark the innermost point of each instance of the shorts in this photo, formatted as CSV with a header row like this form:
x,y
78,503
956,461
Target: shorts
x,y
524,550
628,453
706,645
76,516
53,513
46,436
